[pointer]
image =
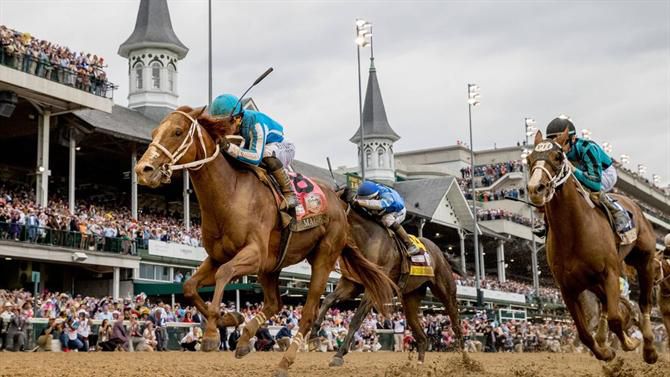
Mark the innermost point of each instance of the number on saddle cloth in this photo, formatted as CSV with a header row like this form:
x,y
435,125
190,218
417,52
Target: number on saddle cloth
x,y
309,194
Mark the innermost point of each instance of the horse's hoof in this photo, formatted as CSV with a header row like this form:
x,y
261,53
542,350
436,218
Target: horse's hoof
x,y
280,373
650,356
336,362
630,344
210,344
608,355
240,352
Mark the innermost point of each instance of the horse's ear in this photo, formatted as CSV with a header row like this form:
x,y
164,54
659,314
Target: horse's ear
x,y
198,112
538,137
563,137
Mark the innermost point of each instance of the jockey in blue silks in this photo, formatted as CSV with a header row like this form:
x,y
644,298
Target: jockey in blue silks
x,y
386,203
264,142
595,170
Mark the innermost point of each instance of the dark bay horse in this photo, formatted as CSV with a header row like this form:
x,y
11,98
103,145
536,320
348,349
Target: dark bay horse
x,y
378,246
583,251
241,229
663,281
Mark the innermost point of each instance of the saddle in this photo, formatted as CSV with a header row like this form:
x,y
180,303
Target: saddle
x,y
310,213
626,238
415,265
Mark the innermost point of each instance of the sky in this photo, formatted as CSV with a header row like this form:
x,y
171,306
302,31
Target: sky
x,y
606,64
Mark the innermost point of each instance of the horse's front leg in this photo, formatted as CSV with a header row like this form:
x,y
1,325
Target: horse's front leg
x,y
577,311
271,305
245,262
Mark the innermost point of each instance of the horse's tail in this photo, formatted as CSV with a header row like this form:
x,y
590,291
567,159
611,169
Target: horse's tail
x,y
454,263
379,287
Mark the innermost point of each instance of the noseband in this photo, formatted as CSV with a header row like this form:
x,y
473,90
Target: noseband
x,y
564,170
195,129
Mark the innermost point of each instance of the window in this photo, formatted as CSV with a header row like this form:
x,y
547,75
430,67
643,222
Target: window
x,y
156,75
154,272
171,73
138,77
368,157
380,158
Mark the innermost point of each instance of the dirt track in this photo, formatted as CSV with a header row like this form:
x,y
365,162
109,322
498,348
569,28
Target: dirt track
x,y
316,364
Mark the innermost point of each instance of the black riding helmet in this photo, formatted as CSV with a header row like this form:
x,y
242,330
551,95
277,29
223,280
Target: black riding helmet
x,y
558,125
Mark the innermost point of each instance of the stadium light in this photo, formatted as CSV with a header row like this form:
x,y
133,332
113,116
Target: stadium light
x,y
656,179
529,124
363,39
586,134
641,169
473,100
624,158
607,147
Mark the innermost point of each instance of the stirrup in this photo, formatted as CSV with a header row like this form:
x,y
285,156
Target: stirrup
x,y
413,250
628,237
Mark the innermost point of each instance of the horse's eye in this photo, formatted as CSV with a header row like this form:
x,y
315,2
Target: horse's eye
x,y
177,132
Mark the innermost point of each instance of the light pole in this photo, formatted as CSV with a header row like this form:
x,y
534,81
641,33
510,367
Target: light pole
x,y
529,130
473,100
363,39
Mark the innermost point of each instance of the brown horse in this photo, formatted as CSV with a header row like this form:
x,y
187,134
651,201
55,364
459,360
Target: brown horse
x,y
582,249
663,281
241,229
380,248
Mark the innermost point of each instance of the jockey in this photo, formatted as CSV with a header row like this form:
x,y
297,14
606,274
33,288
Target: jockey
x,y
386,203
264,142
595,170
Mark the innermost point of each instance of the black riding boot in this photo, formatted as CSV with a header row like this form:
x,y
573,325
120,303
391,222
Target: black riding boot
x,y
622,221
276,168
404,237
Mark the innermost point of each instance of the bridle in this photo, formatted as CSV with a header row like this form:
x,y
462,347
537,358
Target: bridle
x,y
195,129
564,171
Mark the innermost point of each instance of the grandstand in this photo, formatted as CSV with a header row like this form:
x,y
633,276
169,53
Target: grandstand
x,y
69,155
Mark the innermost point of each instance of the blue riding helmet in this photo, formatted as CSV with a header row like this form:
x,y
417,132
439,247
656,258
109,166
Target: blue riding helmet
x,y
223,106
368,190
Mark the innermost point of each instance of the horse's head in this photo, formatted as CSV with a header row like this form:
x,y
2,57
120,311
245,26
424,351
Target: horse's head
x,y
548,166
185,139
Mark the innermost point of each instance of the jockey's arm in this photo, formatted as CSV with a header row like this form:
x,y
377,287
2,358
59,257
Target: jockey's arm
x,y
385,203
254,145
591,173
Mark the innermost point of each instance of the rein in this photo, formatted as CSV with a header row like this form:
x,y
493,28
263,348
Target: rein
x,y
194,130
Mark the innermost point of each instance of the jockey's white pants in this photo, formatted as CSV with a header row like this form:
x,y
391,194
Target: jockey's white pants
x,y
395,217
608,179
284,152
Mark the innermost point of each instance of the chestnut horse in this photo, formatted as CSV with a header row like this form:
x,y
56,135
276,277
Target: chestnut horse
x,y
241,230
380,248
583,251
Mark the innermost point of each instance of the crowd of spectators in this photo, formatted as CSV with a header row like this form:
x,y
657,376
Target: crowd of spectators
x,y
138,324
501,214
45,59
547,294
486,175
105,227
488,196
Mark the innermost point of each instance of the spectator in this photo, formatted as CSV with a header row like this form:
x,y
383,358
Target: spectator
x,y
284,336
264,341
191,339
119,335
398,334
149,335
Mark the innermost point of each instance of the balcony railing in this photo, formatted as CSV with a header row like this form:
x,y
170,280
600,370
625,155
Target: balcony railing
x,y
82,79
63,238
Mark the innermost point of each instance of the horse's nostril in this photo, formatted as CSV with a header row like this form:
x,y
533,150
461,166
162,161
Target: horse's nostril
x,y
540,187
147,169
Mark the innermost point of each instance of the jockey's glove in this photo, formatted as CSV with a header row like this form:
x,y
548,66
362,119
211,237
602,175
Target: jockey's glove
x,y
225,143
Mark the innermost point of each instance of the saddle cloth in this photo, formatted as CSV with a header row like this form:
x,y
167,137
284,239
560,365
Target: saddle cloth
x,y
310,213
625,238
416,265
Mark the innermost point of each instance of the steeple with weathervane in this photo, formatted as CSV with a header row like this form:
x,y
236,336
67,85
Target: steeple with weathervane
x,y
378,134
153,52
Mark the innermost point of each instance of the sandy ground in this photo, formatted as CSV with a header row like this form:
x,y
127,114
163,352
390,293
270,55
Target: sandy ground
x,y
358,364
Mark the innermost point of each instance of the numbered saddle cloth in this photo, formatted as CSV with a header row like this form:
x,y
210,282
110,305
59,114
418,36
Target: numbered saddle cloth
x,y
420,264
312,200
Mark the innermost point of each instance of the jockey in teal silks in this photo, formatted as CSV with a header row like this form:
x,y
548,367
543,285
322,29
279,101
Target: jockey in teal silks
x,y
387,204
594,169
264,142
